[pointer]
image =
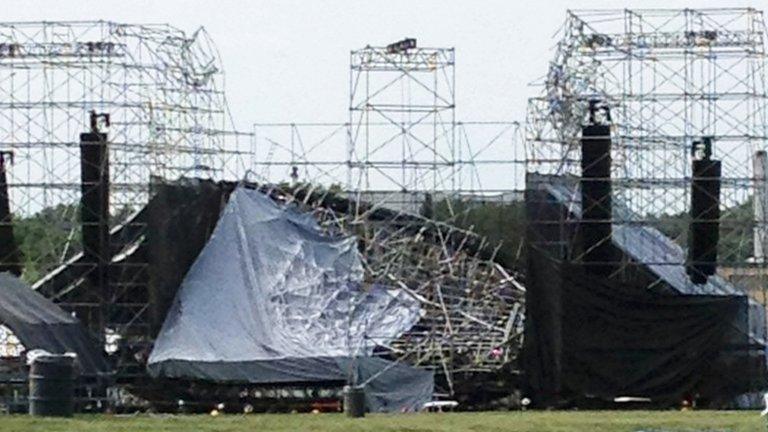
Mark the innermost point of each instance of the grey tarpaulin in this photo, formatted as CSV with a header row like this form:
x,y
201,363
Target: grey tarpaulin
x,y
271,299
40,324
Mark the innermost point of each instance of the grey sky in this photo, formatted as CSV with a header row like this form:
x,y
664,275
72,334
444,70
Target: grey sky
x,y
288,60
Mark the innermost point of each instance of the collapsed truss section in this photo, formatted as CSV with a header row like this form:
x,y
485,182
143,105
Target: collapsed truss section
x,y
472,307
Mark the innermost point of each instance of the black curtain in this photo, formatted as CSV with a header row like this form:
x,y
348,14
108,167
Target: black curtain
x,y
621,339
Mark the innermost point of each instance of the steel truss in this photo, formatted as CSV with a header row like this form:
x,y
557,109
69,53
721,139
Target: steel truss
x,y
401,149
669,77
163,90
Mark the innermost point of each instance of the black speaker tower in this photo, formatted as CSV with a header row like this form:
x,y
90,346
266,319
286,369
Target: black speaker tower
x,y
10,258
704,230
598,253
94,217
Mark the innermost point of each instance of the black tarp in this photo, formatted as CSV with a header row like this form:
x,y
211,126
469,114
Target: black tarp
x,y
620,339
180,219
40,324
647,331
542,342
601,338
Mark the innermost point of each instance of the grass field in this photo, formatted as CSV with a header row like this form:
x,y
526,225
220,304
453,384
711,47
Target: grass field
x,y
570,421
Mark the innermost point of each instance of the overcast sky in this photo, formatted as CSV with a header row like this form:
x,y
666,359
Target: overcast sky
x,y
288,60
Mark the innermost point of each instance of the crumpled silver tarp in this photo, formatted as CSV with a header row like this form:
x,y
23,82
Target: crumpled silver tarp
x,y
272,299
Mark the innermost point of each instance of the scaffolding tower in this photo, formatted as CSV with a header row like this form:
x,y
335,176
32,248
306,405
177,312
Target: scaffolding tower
x,y
401,150
491,168
402,110
402,140
162,90
669,79
646,169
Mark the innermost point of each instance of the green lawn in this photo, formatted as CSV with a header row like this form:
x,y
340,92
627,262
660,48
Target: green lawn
x,y
570,421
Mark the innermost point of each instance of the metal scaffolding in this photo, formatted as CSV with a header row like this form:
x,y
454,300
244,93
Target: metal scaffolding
x,y
491,166
670,78
401,158
163,92
402,111
402,139
472,308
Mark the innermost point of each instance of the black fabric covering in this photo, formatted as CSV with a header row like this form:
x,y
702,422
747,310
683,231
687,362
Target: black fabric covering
x,y
542,344
643,332
620,339
180,219
40,324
